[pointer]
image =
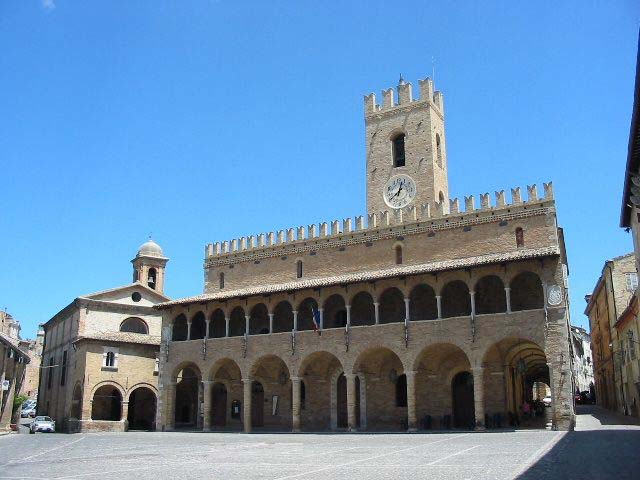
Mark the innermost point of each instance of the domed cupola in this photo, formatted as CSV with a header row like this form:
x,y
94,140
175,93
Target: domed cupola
x,y
149,265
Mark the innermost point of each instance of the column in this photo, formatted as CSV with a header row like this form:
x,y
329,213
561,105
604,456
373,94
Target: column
x,y
478,396
507,294
321,311
412,415
125,415
206,409
170,407
246,407
226,326
246,324
189,330
348,307
295,320
439,303
406,311
376,309
271,323
295,403
554,398
472,294
351,402
207,333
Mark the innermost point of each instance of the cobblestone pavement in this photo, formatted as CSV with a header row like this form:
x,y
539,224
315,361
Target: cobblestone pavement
x,y
491,455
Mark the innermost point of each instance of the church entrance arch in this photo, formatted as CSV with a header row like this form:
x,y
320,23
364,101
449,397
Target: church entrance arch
x,y
142,409
107,404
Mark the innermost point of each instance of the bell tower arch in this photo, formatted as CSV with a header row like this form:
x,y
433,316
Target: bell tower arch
x,y
149,266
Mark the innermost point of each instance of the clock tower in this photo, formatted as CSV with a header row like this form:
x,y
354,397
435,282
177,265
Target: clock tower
x,y
406,149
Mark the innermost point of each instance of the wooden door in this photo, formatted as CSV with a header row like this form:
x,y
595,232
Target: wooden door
x,y
463,402
219,404
341,399
257,405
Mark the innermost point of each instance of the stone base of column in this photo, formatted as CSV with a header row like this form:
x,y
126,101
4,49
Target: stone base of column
x,y
412,429
480,428
295,430
352,430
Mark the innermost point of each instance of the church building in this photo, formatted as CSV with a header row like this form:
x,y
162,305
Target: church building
x,y
100,357
422,314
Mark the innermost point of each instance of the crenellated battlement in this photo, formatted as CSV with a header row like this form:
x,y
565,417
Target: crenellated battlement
x,y
404,92
379,220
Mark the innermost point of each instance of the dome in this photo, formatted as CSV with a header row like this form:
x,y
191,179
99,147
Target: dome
x,y
150,249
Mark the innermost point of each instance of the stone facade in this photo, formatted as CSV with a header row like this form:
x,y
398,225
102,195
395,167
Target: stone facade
x,y
582,360
100,357
427,316
13,364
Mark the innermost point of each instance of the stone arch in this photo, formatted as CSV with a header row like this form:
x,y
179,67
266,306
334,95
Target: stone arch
x,y
422,303
305,313
319,371
142,399
188,395
273,374
217,324
134,325
380,367
526,292
76,402
392,307
490,295
436,366
335,311
198,326
456,301
259,320
512,366
179,328
227,388
282,317
362,309
106,403
237,322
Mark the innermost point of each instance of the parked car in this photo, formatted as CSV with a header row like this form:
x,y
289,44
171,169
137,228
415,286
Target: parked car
x,y
585,398
28,411
42,424
547,401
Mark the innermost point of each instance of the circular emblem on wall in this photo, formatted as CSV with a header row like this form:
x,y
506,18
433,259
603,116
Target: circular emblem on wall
x,y
399,191
554,296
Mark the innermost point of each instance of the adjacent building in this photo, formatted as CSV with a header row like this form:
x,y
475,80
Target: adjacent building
x,y
582,360
100,356
424,313
13,363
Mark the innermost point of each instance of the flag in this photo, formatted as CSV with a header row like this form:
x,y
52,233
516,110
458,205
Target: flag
x,y
315,316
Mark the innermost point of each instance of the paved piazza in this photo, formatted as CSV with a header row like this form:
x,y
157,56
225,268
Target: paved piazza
x,y
496,455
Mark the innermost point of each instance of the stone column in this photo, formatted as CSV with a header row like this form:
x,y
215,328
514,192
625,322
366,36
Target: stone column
x,y
206,408
439,303
472,294
348,307
507,294
246,408
406,311
295,320
295,404
125,415
246,324
189,330
271,323
555,398
226,326
321,311
478,396
412,414
351,402
207,333
376,309
170,407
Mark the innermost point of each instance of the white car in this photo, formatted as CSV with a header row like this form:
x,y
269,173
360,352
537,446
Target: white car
x,y
28,411
42,424
547,401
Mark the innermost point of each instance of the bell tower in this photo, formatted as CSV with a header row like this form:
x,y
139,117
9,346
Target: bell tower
x,y
405,146
149,266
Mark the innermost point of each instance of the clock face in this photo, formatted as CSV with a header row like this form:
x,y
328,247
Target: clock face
x,y
399,191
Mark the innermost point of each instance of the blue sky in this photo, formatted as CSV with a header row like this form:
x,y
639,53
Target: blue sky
x,y
202,120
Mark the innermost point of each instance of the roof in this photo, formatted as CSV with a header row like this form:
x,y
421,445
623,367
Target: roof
x,y
371,275
122,337
14,343
633,153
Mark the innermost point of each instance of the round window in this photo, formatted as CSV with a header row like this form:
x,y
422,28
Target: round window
x,y
136,297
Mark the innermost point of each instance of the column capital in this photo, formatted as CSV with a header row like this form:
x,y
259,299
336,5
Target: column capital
x,y
247,380
295,379
410,373
208,382
479,369
472,292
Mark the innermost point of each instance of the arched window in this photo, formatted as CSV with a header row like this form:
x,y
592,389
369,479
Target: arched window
x,y
519,237
299,269
401,391
398,254
110,361
151,280
438,151
398,150
134,325
221,280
